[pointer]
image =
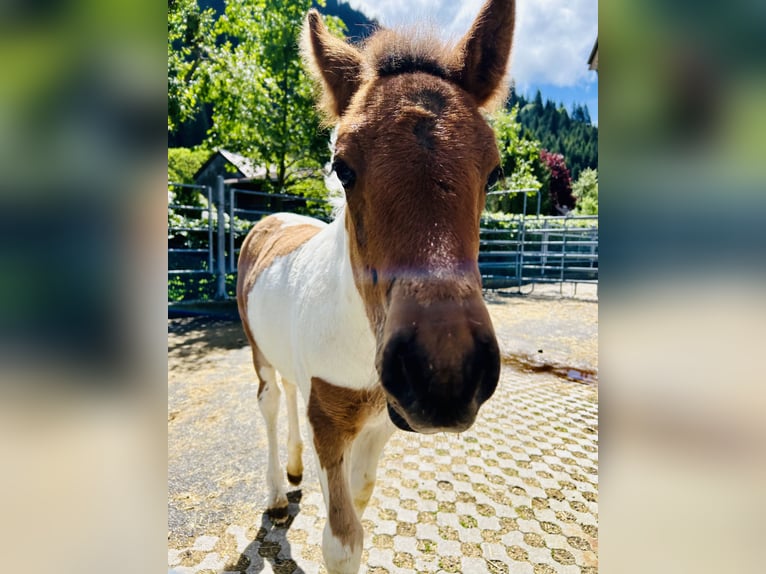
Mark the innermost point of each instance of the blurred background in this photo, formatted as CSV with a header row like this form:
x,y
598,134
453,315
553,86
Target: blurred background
x,y
682,291
83,284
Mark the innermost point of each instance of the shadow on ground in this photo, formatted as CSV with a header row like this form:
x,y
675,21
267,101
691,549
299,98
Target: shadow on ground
x,y
192,339
271,544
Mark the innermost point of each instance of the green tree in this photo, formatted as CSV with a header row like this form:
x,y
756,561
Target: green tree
x,y
520,160
189,43
585,189
263,101
571,135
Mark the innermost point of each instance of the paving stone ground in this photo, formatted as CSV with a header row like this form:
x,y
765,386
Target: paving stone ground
x,y
517,493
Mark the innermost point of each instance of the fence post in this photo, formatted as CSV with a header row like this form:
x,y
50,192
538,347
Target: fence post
x,y
210,205
522,238
592,248
220,284
563,254
231,230
544,247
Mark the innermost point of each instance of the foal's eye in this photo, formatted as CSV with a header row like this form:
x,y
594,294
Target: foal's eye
x,y
345,174
494,177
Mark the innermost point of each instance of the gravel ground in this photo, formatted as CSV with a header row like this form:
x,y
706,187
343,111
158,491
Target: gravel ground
x,y
516,493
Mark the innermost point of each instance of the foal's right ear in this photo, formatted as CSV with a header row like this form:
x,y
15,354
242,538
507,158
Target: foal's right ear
x,y
337,64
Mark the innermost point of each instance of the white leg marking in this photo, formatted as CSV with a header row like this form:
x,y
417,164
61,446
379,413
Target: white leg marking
x,y
339,558
368,447
268,401
294,442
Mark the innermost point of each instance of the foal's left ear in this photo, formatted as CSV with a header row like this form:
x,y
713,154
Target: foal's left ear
x,y
337,64
480,59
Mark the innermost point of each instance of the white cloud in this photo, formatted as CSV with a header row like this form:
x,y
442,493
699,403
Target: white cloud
x,y
552,42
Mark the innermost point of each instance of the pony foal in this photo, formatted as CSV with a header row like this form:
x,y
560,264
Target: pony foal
x,y
378,317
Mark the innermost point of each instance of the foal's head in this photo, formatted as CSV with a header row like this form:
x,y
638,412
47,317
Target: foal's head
x,y
415,157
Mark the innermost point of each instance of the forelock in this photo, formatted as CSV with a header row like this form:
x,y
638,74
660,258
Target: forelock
x,y
393,52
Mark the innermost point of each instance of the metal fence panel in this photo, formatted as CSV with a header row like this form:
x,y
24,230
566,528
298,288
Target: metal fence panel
x,y
539,249
527,249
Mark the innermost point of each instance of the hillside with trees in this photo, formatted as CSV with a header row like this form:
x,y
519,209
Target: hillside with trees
x,y
569,133
530,168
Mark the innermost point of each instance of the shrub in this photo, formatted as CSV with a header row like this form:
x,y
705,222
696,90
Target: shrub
x,y
183,163
585,189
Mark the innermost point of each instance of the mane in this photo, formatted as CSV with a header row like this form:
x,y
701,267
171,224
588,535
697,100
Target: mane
x,y
336,196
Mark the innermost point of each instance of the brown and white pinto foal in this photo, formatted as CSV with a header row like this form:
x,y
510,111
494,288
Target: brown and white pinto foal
x,y
378,317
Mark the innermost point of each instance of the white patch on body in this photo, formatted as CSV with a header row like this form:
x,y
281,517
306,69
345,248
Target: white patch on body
x,y
308,318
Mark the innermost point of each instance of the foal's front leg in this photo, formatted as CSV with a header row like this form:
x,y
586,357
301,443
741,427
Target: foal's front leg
x,y
343,535
336,415
368,447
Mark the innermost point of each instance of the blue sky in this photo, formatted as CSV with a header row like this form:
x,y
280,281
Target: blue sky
x,y
552,41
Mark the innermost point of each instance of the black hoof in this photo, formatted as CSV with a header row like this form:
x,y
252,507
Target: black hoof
x,y
294,479
278,515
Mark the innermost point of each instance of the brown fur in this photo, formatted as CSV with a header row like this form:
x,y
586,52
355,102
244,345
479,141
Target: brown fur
x,y
479,62
337,415
266,241
419,152
433,202
336,64
410,127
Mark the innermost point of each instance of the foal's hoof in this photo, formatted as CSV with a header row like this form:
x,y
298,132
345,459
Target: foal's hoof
x,y
295,479
278,515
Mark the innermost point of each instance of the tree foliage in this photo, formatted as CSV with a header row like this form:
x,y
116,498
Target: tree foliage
x,y
189,31
247,71
183,163
585,189
234,71
358,25
263,101
520,160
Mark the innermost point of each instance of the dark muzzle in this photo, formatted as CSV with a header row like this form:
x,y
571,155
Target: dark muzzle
x,y
438,364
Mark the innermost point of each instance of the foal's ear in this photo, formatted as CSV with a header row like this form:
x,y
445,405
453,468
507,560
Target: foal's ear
x,y
337,64
480,59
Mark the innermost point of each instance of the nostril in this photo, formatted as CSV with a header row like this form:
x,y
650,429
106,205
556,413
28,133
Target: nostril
x,y
486,364
473,373
401,363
